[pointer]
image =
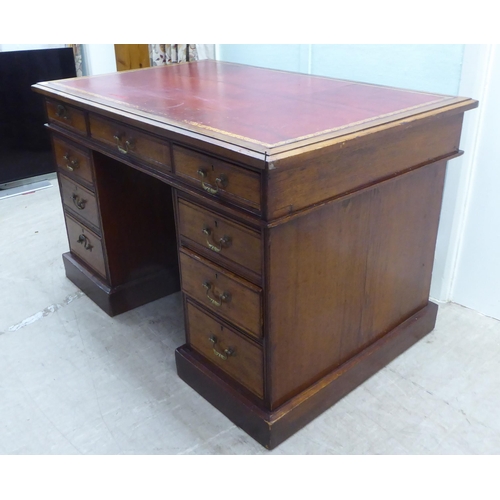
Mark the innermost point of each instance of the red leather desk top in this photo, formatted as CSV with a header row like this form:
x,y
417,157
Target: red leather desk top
x,y
257,108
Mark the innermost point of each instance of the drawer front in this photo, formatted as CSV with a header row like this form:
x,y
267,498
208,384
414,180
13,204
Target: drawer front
x,y
80,200
221,291
218,178
235,244
73,160
235,355
131,142
86,245
67,116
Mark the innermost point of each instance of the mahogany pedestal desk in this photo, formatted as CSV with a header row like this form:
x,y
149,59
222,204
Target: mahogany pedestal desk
x,y
298,215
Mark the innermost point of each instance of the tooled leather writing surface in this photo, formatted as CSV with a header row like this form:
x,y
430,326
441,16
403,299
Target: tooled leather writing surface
x,y
268,108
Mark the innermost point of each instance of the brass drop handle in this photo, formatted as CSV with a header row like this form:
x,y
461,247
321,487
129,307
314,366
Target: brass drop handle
x,y
83,240
221,182
78,202
71,164
222,355
126,147
223,297
62,112
223,242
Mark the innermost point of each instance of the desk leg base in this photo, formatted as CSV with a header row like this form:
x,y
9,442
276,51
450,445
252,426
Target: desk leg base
x,y
117,300
271,428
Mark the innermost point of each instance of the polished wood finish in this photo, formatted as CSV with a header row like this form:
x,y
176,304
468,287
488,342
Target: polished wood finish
x,y
244,362
73,161
115,300
131,142
80,202
219,178
361,290
346,166
243,304
86,245
67,116
298,213
233,245
137,220
271,428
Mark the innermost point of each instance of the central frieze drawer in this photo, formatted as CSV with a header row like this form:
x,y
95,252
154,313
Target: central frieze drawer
x,y
131,142
80,200
221,291
238,357
233,244
218,178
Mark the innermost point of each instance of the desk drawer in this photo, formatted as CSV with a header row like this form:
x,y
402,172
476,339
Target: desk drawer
x,y
80,200
73,160
221,291
131,142
86,245
235,355
67,116
233,244
218,178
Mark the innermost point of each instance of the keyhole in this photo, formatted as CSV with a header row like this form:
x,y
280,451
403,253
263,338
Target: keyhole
x,y
216,223
216,276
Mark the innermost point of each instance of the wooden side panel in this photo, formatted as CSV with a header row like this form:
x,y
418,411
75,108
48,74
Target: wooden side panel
x,y
312,178
342,276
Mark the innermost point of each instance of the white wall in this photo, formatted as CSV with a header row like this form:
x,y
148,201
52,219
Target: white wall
x,y
476,282
433,68
458,176
99,58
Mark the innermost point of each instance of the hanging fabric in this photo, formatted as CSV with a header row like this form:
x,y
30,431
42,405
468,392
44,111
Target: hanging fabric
x,y
78,54
162,54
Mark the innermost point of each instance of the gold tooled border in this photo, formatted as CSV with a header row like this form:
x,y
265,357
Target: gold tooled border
x,y
249,139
